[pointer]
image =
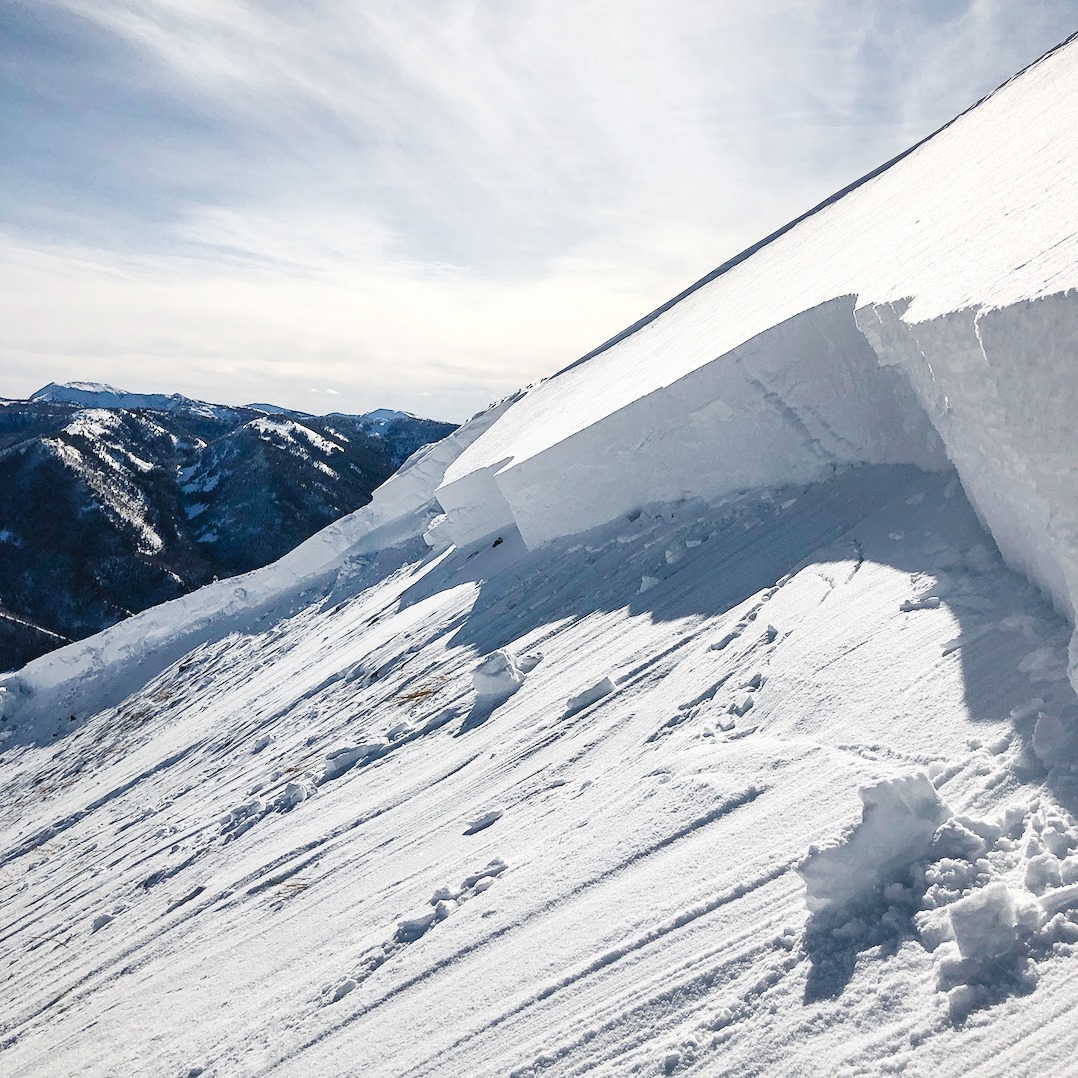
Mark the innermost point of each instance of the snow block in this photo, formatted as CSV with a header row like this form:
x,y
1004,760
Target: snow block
x,y
603,687
899,819
498,675
474,507
344,759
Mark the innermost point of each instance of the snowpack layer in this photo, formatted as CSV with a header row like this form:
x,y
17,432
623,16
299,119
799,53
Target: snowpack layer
x,y
782,783
927,315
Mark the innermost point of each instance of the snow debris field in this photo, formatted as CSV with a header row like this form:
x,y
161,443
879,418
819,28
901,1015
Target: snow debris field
x,y
683,715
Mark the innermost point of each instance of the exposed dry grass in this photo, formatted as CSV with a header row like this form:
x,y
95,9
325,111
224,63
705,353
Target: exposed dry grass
x,y
424,691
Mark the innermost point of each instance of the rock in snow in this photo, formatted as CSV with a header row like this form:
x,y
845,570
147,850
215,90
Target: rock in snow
x,y
313,821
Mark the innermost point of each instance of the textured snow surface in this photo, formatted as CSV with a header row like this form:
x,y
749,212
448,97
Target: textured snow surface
x,y
928,314
679,717
309,845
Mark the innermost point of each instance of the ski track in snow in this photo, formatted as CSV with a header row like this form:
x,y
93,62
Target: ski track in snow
x,y
298,840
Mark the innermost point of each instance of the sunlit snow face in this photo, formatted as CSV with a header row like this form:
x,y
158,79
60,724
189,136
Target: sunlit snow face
x,y
244,202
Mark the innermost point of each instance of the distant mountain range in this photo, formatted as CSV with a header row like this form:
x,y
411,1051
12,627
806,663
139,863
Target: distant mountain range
x,y
111,502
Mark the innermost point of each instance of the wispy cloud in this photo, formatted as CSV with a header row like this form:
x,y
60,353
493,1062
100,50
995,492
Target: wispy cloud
x,y
445,197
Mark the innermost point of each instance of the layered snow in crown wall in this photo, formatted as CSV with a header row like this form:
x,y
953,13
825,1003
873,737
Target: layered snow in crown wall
x,y
927,314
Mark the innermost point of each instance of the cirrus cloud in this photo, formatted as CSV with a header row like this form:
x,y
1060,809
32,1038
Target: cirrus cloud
x,y
427,205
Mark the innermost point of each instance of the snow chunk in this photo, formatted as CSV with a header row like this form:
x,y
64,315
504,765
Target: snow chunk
x,y
438,536
481,823
1050,740
445,893
399,730
529,662
927,602
411,928
1044,664
1042,872
342,989
1063,898
443,908
898,823
344,759
493,868
293,794
589,696
985,924
498,675
956,841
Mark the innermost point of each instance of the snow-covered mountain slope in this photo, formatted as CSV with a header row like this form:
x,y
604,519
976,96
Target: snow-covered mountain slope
x,y
381,418
109,509
99,395
678,717
926,314
98,672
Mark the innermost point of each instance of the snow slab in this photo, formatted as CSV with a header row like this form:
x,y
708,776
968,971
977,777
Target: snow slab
x,y
926,315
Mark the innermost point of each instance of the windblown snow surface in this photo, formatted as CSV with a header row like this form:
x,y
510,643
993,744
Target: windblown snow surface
x,y
704,710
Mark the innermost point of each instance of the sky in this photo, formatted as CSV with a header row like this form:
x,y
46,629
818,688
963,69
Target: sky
x,y
339,206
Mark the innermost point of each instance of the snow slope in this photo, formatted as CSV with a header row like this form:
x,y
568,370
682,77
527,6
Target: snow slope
x,y
310,846
614,738
927,314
